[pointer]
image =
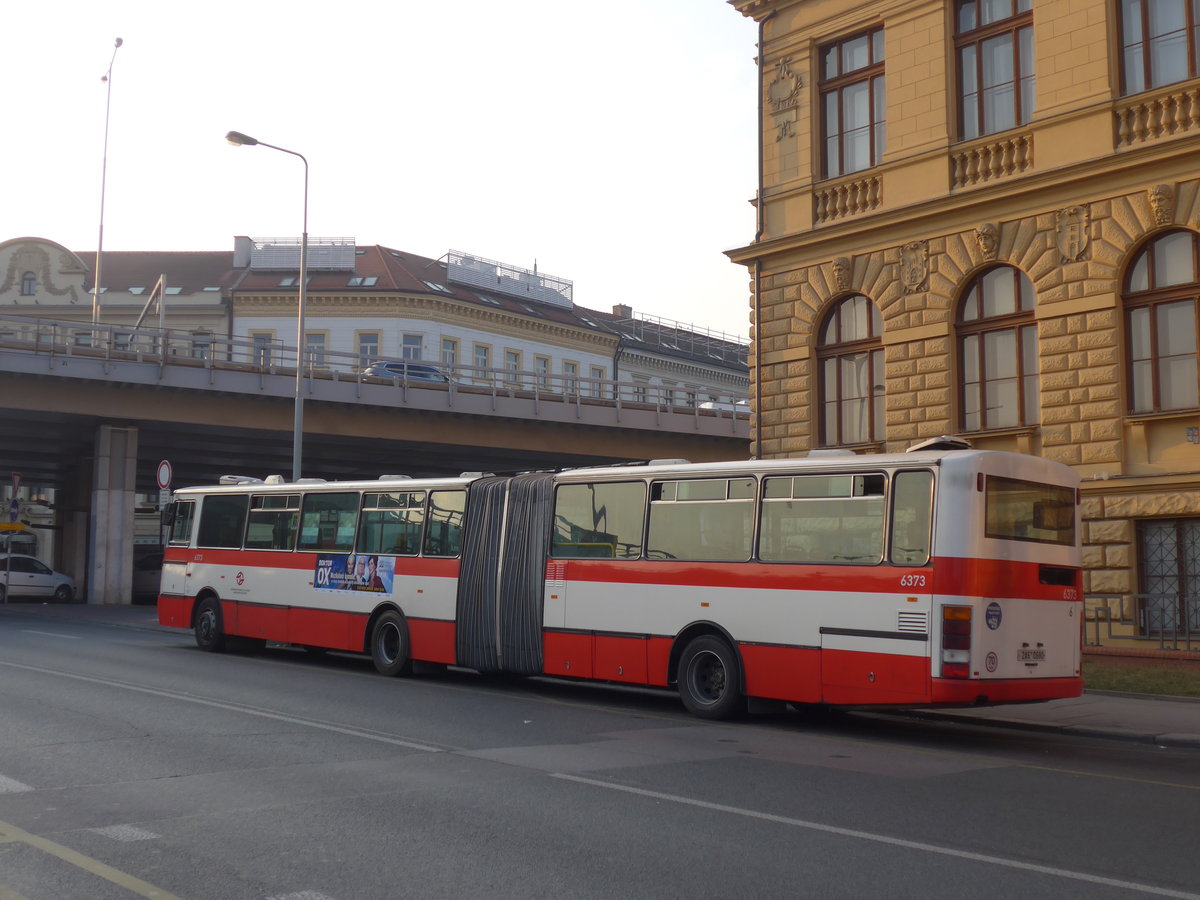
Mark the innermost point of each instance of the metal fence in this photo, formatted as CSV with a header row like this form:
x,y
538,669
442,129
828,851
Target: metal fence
x,y
1171,621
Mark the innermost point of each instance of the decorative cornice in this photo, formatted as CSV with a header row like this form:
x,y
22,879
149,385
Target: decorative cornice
x,y
753,9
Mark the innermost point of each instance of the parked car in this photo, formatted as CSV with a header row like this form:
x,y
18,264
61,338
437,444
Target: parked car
x,y
27,576
411,371
738,408
147,574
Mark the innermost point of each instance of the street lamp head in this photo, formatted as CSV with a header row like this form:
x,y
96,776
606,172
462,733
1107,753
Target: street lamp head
x,y
238,139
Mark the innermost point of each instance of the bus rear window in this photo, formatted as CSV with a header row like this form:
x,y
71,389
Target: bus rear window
x,y
1027,511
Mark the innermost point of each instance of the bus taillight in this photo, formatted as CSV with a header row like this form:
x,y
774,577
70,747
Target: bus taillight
x,y
956,642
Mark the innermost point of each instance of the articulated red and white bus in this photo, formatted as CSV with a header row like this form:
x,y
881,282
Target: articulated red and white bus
x,y
946,576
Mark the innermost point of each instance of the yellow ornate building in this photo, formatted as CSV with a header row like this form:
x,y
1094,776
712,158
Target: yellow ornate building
x,y
982,217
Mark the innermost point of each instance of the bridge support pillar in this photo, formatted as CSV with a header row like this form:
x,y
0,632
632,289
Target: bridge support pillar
x,y
110,544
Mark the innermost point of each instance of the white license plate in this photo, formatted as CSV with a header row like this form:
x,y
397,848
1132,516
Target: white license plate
x,y
1025,654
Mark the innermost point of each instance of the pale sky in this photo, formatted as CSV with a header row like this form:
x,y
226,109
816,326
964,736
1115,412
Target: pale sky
x,y
613,143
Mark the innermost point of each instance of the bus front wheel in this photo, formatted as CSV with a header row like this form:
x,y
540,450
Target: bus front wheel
x,y
389,644
710,679
209,634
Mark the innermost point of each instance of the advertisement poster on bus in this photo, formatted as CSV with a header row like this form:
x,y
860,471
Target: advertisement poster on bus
x,y
355,572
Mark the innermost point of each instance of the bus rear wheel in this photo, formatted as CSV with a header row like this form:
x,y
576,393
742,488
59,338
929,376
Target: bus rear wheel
x,y
710,679
389,644
208,629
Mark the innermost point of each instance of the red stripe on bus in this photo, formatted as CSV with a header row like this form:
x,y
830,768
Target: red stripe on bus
x,y
947,575
305,560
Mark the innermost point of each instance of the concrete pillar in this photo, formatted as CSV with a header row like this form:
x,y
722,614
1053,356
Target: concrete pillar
x,y
73,504
110,532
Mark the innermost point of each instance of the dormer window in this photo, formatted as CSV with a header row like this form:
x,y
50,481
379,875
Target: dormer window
x,y
28,284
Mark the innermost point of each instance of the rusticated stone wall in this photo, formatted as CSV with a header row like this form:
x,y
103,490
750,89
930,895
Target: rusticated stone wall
x,y
1076,259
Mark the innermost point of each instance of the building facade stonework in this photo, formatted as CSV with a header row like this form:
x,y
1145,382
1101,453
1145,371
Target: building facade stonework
x,y
1036,284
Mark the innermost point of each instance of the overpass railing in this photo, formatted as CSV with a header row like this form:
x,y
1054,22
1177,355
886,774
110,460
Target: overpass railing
x,y
57,339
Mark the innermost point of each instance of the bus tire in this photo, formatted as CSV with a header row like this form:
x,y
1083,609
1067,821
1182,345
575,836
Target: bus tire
x,y
389,644
209,629
710,679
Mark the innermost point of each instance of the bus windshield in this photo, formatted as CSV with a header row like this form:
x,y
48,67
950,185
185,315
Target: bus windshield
x,y
1028,511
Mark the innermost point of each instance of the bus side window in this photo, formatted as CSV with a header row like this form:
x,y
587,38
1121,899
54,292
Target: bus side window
x,y
223,520
327,521
709,519
912,512
273,521
444,524
184,512
823,519
391,522
599,520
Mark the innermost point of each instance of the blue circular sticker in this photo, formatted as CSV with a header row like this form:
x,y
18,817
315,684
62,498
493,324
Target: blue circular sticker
x,y
993,615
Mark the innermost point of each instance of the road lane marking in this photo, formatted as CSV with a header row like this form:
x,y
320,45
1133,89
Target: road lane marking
x,y
86,863
12,786
66,637
261,713
883,839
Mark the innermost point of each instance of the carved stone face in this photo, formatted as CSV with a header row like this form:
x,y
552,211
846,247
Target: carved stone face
x,y
841,272
1161,197
987,236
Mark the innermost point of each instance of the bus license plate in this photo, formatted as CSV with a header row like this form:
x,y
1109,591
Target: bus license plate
x,y
1025,654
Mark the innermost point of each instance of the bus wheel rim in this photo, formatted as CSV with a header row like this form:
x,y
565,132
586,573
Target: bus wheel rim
x,y
207,625
389,642
707,677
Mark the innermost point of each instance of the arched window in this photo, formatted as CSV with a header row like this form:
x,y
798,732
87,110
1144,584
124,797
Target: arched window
x,y
850,357
1160,301
28,284
998,352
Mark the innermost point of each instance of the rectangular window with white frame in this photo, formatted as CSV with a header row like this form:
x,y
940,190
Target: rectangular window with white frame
x,y
541,365
412,346
368,347
597,374
201,345
449,355
512,363
315,345
260,353
641,386
570,377
482,356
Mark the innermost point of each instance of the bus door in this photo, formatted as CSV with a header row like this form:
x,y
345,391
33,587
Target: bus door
x,y
175,600
879,652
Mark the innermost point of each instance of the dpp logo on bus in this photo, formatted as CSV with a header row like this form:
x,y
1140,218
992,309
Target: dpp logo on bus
x,y
993,615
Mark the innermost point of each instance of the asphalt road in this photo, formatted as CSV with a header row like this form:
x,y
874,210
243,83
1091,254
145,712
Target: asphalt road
x,y
134,765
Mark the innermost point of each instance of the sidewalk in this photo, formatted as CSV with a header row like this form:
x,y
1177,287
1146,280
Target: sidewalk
x,y
1166,721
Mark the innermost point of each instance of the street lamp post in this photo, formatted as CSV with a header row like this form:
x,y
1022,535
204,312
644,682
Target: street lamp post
x,y
107,79
239,139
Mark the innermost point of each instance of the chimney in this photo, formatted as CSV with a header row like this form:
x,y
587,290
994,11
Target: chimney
x,y
623,310
241,252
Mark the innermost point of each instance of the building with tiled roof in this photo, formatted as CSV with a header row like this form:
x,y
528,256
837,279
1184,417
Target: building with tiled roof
x,y
370,303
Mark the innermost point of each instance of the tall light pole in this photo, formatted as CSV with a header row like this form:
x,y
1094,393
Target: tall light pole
x,y
107,78
239,139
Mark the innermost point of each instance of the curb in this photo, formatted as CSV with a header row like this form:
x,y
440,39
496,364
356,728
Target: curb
x,y
1167,739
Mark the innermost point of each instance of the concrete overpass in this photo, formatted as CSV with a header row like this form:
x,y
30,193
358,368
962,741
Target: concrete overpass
x,y
90,411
